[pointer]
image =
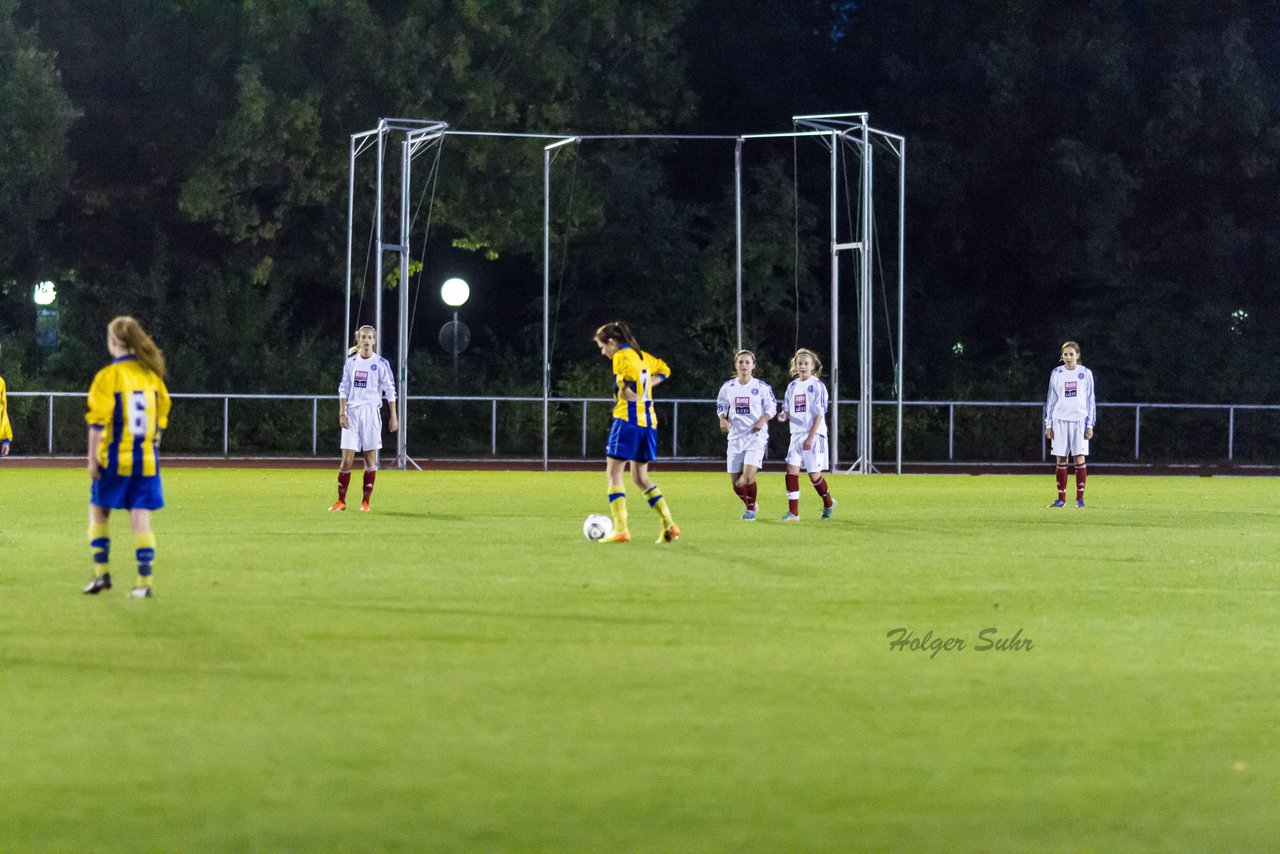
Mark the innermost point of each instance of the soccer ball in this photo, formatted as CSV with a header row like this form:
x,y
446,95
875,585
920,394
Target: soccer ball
x,y
597,527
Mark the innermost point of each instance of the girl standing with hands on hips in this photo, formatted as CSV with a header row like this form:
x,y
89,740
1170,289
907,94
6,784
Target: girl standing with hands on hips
x,y
128,410
366,381
806,409
745,405
633,435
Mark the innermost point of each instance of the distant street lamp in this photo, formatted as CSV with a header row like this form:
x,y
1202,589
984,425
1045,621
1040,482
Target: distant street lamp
x,y
44,296
45,293
455,336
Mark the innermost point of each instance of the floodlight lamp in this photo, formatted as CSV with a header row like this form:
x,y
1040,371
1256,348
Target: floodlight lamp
x,y
45,293
455,292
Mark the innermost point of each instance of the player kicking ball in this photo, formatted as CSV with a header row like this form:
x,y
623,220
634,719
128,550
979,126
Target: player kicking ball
x,y
366,382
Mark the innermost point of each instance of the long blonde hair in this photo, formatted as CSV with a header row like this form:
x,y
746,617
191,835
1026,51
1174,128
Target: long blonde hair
x,y
135,339
356,349
817,363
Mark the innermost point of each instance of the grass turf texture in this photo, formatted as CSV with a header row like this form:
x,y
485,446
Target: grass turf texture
x,y
460,669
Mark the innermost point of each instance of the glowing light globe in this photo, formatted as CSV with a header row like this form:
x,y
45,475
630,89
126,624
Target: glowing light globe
x,y
454,292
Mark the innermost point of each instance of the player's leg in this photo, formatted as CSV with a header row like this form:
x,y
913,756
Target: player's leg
x,y
652,494
815,463
794,460
1058,448
615,471
1060,476
752,462
819,483
100,546
369,429
344,476
1082,473
747,483
734,474
370,475
144,547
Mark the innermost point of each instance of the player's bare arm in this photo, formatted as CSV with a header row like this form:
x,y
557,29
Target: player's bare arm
x,y
95,473
395,422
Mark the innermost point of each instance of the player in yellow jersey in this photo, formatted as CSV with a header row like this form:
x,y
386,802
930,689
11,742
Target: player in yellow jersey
x,y
6,431
128,409
633,436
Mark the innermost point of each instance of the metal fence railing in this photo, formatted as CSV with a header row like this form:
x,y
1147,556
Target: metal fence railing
x,y
468,427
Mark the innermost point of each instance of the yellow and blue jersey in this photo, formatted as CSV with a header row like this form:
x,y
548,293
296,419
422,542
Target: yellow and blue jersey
x,y
636,370
6,430
131,406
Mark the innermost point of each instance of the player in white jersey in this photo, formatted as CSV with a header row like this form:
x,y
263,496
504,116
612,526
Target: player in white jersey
x,y
745,405
805,407
1070,412
366,382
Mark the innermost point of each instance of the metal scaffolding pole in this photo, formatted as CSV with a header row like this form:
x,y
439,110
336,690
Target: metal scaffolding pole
x,y
737,244
546,297
831,128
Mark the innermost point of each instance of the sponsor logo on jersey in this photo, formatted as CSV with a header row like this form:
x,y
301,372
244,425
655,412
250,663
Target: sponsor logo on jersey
x,y
800,403
742,405
1069,389
361,379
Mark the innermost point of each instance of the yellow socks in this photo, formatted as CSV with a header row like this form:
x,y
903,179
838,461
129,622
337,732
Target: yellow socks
x,y
618,509
100,543
145,550
658,503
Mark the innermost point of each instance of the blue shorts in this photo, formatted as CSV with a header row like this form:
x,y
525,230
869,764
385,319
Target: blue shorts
x,y
126,492
628,441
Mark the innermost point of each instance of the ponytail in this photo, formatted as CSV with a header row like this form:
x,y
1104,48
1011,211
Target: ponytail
x,y
136,340
616,330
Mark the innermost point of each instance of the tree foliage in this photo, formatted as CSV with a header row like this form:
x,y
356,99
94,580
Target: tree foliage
x,y
35,115
1104,172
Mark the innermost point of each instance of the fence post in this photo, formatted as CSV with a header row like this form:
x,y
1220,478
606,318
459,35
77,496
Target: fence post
x,y
1137,429
675,428
493,428
51,425
951,431
584,429
1231,433
315,423
226,421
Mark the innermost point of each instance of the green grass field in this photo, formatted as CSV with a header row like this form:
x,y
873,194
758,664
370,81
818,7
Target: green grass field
x,y
461,670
